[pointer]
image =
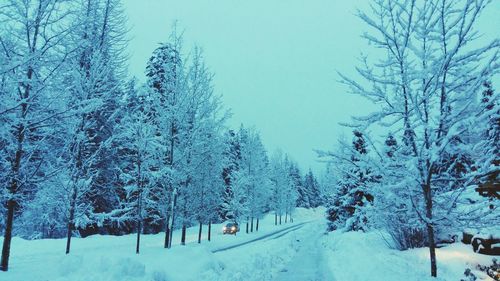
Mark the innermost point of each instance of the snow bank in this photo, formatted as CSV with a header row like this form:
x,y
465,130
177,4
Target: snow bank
x,y
362,256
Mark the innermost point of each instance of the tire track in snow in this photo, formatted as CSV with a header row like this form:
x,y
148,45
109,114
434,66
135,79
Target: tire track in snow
x,y
269,235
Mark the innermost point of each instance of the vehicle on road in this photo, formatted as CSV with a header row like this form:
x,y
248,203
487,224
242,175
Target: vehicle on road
x,y
231,228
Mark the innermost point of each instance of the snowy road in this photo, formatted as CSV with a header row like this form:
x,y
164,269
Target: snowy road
x,y
275,234
293,253
309,263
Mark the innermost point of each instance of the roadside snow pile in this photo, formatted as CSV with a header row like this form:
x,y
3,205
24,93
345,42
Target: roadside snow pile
x,y
362,256
104,259
113,258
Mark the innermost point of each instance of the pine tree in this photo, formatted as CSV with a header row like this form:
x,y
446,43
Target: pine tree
x,y
232,158
353,196
311,184
488,148
304,194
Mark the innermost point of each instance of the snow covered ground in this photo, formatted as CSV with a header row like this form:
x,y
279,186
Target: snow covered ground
x,y
298,251
366,256
103,258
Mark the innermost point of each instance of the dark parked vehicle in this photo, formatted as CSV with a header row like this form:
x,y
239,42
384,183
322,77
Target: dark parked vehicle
x,y
488,245
231,228
487,242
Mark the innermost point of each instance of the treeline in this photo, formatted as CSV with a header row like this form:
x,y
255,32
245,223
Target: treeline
x,y
86,150
441,121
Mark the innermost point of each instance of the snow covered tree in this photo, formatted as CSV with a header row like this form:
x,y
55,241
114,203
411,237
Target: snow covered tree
x,y
426,86
94,83
189,120
166,80
353,196
135,137
31,36
238,204
313,189
303,196
292,195
202,148
393,209
487,148
283,190
232,158
255,162
249,180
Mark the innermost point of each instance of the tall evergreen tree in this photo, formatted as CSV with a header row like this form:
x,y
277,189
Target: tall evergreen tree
x,y
353,196
311,185
303,194
232,158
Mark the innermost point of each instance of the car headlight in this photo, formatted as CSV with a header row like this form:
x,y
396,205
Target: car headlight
x,y
233,228
224,228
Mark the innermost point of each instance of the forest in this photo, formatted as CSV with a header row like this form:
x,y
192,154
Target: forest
x,y
87,149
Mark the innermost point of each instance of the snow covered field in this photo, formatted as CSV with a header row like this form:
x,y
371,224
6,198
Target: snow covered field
x,y
294,251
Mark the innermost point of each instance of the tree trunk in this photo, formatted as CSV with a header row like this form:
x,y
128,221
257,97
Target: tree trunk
x,y
251,225
139,204
174,203
430,228
71,219
68,233
167,232
432,250
171,232
247,224
280,219
139,230
275,218
183,235
11,204
286,217
209,229
167,225
199,233
257,225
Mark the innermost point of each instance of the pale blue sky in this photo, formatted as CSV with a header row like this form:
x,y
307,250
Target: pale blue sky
x,y
275,61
